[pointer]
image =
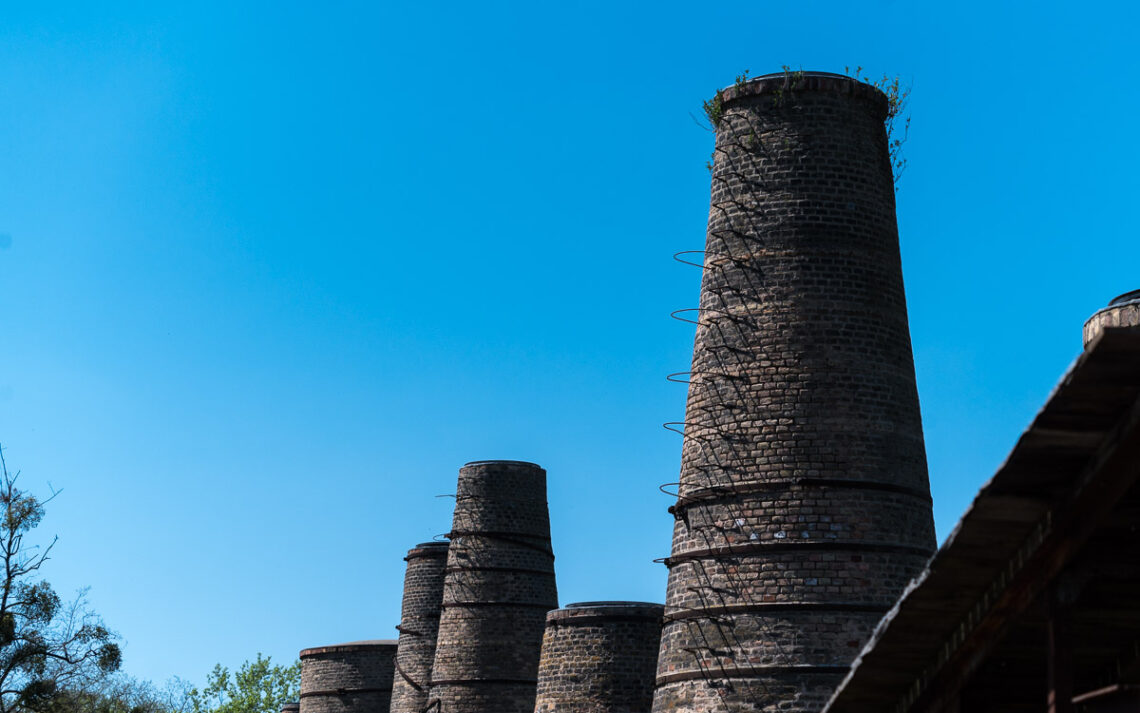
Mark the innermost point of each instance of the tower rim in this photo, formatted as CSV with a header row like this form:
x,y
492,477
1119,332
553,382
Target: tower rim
x,y
1126,298
777,83
501,463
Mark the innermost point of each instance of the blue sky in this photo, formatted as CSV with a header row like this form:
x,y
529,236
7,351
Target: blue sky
x,y
271,272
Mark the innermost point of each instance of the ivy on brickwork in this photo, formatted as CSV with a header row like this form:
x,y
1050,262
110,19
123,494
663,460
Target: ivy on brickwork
x,y
897,120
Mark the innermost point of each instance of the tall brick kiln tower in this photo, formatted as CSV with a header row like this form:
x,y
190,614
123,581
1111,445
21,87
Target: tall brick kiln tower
x,y
419,623
803,507
498,587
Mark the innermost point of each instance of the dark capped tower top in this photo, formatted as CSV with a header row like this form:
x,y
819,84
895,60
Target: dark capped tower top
x,y
498,586
803,507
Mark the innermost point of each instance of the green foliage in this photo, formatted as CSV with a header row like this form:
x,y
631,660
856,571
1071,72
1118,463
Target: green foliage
x,y
257,687
791,83
714,108
48,647
122,694
897,120
898,125
714,111
72,701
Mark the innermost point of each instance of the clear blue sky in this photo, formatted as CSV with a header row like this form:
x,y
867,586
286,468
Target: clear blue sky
x,y
271,272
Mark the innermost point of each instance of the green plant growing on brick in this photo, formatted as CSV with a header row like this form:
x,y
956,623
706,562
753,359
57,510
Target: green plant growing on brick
x,y
714,111
714,108
791,83
898,119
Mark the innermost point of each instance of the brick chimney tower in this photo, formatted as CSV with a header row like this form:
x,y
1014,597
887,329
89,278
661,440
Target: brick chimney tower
x,y
419,624
355,677
804,507
497,588
599,657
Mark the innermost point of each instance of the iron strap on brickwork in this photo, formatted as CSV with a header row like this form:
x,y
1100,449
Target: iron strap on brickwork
x,y
407,678
480,568
749,549
528,605
345,691
512,537
755,671
597,619
700,496
466,681
762,608
405,630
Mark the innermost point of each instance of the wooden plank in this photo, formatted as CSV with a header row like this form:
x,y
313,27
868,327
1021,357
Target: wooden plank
x,y
1060,696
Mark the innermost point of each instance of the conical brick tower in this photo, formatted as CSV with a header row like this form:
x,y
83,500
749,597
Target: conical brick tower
x,y
599,657
497,589
419,623
804,507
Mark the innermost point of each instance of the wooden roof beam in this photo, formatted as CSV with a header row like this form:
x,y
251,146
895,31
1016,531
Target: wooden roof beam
x,y
1111,473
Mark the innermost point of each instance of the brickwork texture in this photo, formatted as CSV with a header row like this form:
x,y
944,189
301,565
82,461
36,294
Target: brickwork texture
x,y
355,677
1124,311
419,623
599,657
803,506
499,585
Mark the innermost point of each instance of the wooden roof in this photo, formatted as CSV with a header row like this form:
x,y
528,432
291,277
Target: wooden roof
x,y
1067,474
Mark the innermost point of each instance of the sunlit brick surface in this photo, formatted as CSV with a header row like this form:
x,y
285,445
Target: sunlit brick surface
x,y
497,589
419,623
803,507
599,657
348,678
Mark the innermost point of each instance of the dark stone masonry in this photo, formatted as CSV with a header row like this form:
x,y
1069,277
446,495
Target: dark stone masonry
x,y
599,657
419,623
803,507
498,587
355,677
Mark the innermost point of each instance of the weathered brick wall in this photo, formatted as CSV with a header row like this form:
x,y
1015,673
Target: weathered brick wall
x,y
599,657
498,587
348,678
419,623
290,708
803,507
1124,311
